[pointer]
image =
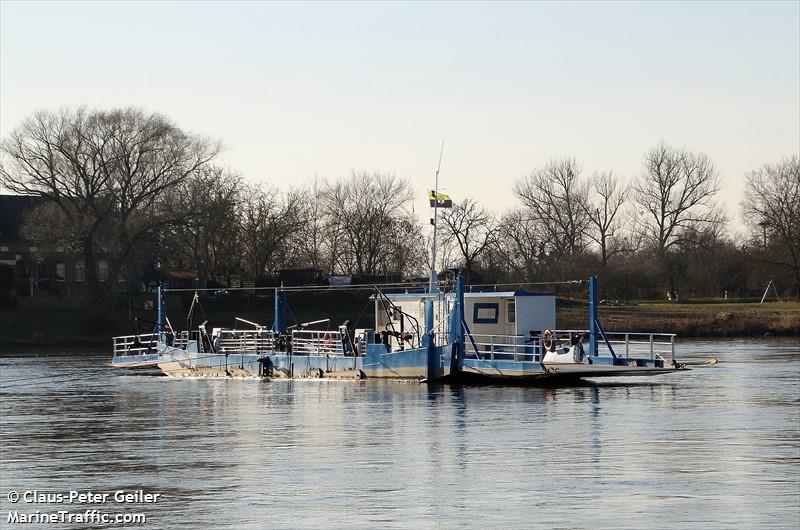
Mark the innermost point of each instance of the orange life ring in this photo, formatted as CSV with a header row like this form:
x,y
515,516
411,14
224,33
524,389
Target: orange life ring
x,y
547,340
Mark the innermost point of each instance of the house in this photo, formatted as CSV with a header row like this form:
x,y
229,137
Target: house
x,y
26,270
169,279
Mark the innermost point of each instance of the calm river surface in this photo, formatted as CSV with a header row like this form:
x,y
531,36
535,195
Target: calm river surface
x,y
714,447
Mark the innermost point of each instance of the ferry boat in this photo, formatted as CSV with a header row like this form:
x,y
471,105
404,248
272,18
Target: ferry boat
x,y
496,337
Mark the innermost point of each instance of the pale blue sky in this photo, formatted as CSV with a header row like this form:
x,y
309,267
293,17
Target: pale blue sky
x,y
302,89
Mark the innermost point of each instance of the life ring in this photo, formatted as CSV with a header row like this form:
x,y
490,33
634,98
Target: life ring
x,y
548,341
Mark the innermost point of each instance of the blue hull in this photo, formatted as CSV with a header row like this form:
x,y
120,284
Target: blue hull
x,y
413,363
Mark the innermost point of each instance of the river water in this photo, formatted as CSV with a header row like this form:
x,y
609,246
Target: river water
x,y
714,447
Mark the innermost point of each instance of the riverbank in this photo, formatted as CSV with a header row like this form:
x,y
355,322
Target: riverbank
x,y
710,318
61,330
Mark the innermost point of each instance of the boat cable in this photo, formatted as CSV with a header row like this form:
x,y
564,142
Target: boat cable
x,y
365,286
353,287
560,282
361,315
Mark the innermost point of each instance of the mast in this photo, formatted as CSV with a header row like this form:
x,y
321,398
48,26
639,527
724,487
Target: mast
x,y
433,286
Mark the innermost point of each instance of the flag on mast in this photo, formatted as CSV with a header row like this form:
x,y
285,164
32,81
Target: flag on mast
x,y
440,200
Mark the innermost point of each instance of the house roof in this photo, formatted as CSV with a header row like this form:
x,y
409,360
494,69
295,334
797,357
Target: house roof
x,y
178,275
169,274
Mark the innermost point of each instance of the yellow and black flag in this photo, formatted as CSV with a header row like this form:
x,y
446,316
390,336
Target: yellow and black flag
x,y
440,200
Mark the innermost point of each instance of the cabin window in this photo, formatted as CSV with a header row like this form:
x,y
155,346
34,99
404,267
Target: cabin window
x,y
102,270
80,272
61,272
485,313
512,312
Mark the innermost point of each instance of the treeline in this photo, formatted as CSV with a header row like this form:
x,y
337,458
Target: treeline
x,y
137,190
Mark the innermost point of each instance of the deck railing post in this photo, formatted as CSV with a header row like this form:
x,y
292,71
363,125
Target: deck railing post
x,y
514,348
160,310
672,346
593,299
652,356
627,346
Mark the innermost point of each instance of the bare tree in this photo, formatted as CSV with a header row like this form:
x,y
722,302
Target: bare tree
x,y
773,204
311,239
605,208
360,211
405,251
110,174
268,219
473,229
556,197
676,193
521,243
208,236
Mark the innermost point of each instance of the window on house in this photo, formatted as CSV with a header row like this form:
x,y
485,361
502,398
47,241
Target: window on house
x,y
102,270
3,249
61,272
122,274
80,272
512,312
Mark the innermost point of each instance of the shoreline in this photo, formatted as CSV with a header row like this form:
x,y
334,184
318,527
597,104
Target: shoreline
x,y
63,333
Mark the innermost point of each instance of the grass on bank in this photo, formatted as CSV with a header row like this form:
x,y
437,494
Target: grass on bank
x,y
707,318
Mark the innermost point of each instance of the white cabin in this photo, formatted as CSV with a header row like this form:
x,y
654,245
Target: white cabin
x,y
501,314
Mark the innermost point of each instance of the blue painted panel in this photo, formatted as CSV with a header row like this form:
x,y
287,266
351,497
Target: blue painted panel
x,y
479,308
381,363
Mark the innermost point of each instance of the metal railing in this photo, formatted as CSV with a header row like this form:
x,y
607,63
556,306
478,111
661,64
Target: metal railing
x,y
522,348
504,347
628,344
308,342
181,339
135,344
441,338
241,341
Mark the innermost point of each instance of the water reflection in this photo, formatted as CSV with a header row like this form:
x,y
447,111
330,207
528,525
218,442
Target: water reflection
x,y
713,447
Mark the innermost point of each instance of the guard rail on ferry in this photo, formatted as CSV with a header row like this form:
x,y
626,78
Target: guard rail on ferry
x,y
141,344
312,342
245,342
520,348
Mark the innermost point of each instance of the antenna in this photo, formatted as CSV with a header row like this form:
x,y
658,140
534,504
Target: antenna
x,y
433,287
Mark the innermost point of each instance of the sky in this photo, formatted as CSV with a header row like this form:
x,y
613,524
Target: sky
x,y
301,90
